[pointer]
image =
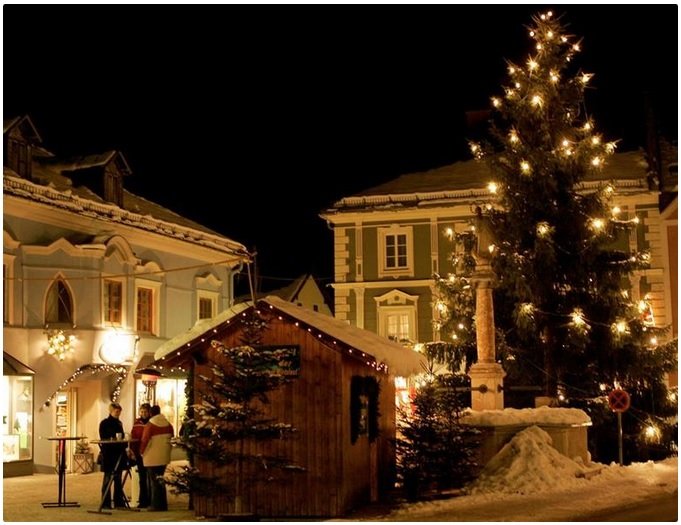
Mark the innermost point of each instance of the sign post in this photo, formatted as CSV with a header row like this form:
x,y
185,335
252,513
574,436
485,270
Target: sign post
x,y
619,402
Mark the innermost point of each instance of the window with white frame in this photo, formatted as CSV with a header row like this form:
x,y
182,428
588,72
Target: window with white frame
x,y
395,248
207,303
147,307
398,323
113,301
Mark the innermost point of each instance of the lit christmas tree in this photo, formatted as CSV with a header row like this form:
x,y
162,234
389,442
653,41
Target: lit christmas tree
x,y
561,256
223,425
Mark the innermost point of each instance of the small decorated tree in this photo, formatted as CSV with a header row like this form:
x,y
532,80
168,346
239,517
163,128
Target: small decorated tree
x,y
229,418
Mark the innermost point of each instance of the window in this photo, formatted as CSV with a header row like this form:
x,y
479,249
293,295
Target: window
x,y
18,157
17,420
398,326
59,306
205,308
397,315
145,310
113,301
395,251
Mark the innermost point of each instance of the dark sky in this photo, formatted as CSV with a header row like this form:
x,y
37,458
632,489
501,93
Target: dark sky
x,y
252,119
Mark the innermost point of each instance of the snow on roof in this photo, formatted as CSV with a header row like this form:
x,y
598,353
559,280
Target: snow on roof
x,y
57,190
527,416
201,327
400,360
527,464
469,179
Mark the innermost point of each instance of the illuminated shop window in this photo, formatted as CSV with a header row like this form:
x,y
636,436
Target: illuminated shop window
x,y
17,418
169,395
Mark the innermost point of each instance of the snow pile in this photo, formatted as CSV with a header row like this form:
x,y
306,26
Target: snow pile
x,y
527,416
528,464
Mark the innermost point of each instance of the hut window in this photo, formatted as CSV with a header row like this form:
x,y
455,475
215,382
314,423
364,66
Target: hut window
x,y
59,305
363,407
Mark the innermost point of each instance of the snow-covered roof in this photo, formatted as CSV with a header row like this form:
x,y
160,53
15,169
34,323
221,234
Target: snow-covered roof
x,y
57,190
400,360
468,180
200,328
88,161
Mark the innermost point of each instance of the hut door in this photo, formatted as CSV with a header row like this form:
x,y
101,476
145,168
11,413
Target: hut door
x,y
373,469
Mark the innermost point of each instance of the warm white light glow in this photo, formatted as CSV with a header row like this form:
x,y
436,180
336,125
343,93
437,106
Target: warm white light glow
x,y
532,64
537,100
513,137
578,318
586,77
543,229
596,161
491,248
597,224
525,167
553,76
492,187
616,210
496,102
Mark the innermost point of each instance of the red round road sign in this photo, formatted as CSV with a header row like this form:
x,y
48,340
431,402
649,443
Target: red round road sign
x,y
619,400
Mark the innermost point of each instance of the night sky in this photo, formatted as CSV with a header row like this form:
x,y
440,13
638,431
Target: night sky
x,y
252,119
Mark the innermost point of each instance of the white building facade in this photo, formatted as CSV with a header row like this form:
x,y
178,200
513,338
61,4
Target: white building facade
x,y
95,278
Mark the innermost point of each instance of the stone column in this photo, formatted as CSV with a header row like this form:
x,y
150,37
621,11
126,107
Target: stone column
x,y
487,376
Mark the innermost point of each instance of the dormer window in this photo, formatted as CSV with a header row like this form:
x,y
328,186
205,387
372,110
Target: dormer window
x,y
113,185
19,136
18,157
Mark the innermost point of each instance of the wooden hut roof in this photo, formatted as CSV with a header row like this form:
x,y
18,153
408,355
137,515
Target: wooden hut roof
x,y
399,360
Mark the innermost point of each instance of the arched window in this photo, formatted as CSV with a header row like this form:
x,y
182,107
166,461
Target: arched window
x,y
59,306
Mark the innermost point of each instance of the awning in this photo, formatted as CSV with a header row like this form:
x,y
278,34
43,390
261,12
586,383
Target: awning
x,y
14,367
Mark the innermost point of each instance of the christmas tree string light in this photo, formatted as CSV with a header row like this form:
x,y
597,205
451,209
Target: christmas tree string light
x,y
569,315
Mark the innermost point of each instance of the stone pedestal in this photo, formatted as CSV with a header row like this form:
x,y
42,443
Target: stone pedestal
x,y
487,381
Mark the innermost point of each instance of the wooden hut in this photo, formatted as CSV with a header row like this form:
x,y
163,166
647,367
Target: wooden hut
x,y
347,462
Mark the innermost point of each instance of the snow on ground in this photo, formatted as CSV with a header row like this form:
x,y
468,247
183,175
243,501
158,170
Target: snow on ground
x,y
527,416
527,464
528,480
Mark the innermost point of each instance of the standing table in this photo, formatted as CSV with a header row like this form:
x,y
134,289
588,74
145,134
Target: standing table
x,y
61,470
126,474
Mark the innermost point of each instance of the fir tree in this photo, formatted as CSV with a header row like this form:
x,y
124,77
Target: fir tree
x,y
229,417
433,450
561,257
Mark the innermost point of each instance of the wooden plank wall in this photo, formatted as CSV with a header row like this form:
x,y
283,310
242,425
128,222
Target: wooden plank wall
x,y
317,403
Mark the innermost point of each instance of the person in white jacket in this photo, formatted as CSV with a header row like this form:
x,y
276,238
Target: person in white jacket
x,y
155,449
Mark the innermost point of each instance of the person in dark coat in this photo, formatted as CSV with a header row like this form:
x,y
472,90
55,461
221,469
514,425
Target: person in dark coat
x,y
136,433
108,428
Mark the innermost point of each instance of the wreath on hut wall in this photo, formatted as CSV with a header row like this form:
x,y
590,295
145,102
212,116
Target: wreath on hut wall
x,y
364,413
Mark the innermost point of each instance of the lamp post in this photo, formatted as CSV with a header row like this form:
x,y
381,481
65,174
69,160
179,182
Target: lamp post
x,y
149,377
487,376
